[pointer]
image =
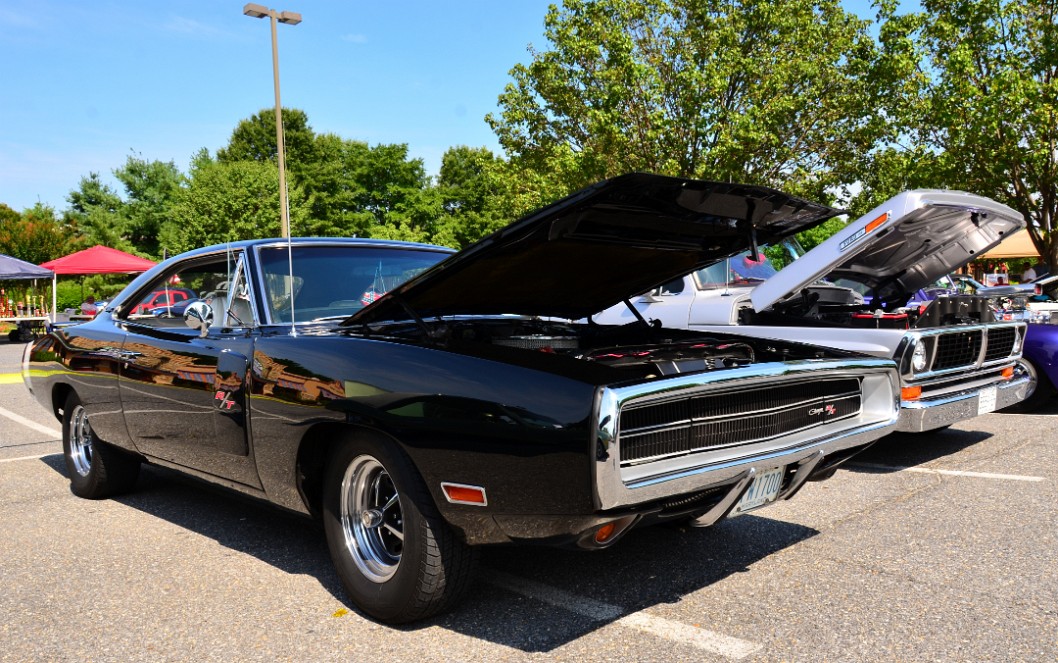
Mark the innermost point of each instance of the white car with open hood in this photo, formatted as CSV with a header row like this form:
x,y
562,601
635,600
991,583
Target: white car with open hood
x,y
857,291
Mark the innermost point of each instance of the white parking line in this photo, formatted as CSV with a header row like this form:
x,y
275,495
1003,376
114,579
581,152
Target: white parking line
x,y
660,627
30,424
951,473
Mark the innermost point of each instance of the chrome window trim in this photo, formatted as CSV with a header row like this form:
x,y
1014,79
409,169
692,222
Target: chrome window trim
x,y
323,241
241,272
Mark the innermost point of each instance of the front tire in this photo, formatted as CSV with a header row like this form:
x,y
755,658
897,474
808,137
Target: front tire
x,y
396,557
96,469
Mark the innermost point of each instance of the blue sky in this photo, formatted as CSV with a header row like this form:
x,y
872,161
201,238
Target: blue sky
x,y
86,84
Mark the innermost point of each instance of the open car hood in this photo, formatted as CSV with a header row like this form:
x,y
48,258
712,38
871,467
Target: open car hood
x,y
597,247
904,244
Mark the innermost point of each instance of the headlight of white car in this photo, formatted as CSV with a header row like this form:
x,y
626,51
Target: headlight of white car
x,y
918,358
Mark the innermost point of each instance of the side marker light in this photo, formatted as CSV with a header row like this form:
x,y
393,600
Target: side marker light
x,y
460,493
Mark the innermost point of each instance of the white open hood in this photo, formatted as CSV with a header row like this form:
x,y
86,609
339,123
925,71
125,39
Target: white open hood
x,y
902,245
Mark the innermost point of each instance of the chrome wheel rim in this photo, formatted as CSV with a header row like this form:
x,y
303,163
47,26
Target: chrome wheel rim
x,y
372,519
80,441
1026,368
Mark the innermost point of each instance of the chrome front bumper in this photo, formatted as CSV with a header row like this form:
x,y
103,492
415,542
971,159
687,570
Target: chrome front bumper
x,y
926,415
735,467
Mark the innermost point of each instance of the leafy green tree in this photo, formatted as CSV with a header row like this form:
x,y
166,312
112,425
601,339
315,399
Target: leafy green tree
x,y
759,91
986,113
254,139
95,215
37,235
350,188
8,215
475,195
152,189
228,202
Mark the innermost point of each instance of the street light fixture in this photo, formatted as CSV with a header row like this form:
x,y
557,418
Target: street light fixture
x,y
290,18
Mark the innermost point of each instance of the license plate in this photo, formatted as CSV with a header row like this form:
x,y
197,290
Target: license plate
x,y
986,400
764,489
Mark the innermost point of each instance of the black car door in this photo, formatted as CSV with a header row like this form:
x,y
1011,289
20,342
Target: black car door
x,y
184,395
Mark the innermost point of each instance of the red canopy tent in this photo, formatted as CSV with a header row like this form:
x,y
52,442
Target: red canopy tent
x,y
96,260
99,260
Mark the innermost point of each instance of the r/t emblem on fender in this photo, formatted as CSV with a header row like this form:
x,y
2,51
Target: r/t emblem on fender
x,y
225,400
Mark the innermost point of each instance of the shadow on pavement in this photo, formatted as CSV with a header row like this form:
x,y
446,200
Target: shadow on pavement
x,y
1050,408
649,566
898,450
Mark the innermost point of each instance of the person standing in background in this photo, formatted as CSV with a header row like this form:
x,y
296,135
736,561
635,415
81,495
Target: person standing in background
x,y
88,307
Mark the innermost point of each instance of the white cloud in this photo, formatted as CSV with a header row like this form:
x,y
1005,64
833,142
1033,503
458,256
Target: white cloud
x,y
355,38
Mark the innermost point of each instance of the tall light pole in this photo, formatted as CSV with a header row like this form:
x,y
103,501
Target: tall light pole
x,y
290,18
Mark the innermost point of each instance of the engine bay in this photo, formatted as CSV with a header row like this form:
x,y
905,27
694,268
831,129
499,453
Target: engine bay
x,y
829,305
639,349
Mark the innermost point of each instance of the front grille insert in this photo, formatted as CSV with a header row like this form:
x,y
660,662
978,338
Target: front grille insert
x,y
1000,343
697,422
957,349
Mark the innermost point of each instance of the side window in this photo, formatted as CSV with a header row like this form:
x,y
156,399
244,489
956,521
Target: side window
x,y
162,303
673,287
738,270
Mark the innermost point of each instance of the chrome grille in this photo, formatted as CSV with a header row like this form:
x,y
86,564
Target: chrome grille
x,y
657,429
1000,343
957,349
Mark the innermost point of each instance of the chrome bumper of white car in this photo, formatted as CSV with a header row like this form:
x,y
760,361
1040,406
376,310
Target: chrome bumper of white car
x,y
926,415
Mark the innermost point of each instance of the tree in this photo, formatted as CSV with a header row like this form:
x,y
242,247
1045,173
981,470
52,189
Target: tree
x,y
95,214
254,139
474,196
349,187
776,93
37,235
987,111
152,188
227,202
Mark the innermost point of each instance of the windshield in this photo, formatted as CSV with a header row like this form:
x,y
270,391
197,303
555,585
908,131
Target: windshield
x,y
746,270
329,281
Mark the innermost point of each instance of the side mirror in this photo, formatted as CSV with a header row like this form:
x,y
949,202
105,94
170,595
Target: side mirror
x,y
199,315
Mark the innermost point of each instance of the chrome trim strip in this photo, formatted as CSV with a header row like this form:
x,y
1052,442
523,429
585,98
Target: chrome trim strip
x,y
724,506
616,486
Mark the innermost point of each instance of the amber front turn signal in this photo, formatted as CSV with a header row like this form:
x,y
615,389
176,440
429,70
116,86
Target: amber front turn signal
x,y
910,393
1008,372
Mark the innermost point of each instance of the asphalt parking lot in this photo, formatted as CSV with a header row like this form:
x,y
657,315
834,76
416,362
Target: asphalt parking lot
x,y
939,547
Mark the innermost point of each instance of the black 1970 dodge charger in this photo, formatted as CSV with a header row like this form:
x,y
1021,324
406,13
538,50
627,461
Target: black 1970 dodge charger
x,y
422,403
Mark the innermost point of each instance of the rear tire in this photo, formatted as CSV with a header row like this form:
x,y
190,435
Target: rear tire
x,y
96,469
396,557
